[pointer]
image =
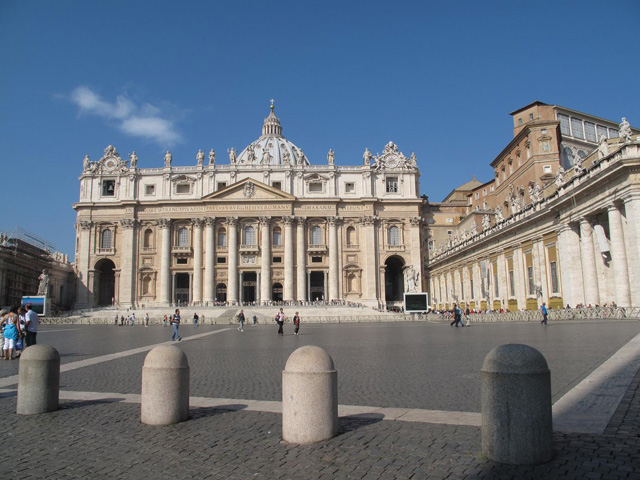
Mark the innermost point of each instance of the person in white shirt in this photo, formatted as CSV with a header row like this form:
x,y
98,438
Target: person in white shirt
x,y
32,320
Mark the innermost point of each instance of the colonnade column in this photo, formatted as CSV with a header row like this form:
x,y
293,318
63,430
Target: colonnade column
x,y
127,275
301,271
632,213
209,269
589,271
333,259
265,266
619,254
164,224
197,260
570,265
232,268
288,259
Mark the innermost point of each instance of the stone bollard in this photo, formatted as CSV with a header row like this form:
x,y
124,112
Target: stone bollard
x,y
38,380
516,406
165,386
309,396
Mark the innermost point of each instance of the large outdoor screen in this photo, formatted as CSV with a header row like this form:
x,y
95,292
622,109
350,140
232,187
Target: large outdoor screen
x,y
38,303
416,302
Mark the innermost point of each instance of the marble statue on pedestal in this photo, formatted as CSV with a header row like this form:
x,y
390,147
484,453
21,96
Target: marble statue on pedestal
x,y
212,157
560,176
200,158
366,156
43,287
133,159
625,131
603,147
167,159
232,155
331,157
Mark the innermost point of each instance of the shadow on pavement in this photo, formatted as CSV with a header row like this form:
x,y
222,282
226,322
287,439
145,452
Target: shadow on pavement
x,y
202,412
350,423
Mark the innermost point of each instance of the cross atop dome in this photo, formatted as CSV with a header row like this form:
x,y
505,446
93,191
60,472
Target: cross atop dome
x,y
271,104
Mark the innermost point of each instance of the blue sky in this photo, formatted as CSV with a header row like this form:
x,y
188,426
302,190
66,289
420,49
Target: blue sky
x,y
437,78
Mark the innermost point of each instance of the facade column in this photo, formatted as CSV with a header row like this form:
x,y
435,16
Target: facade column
x,y
333,259
288,259
174,287
589,271
265,266
209,266
632,214
570,263
416,251
301,270
197,261
232,267
83,290
190,288
619,254
127,275
370,280
164,224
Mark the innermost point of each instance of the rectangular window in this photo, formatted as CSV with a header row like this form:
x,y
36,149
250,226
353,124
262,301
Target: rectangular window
x,y
546,168
554,277
392,185
222,260
477,195
277,259
590,131
602,131
350,187
181,261
576,128
108,188
613,133
221,185
149,189
183,188
277,185
512,284
315,187
564,124
430,244
316,259
532,287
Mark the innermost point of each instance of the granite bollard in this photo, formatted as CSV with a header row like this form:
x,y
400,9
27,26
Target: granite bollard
x,y
309,396
165,386
38,380
516,406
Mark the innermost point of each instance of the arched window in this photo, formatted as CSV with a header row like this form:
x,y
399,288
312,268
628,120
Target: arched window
x,y
183,237
394,236
147,240
249,235
222,237
351,236
316,235
105,241
277,237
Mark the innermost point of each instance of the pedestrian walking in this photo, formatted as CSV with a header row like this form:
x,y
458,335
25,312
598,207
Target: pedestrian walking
x,y
11,334
32,320
133,319
467,316
175,322
280,320
195,319
116,320
255,320
164,321
457,316
543,309
146,320
296,322
241,320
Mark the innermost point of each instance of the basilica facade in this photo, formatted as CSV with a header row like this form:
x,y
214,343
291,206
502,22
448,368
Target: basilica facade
x,y
267,226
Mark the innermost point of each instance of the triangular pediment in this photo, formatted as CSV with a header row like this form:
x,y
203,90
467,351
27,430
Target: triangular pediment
x,y
249,190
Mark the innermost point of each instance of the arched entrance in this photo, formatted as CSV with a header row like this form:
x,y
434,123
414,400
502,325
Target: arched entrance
x,y
105,281
276,292
249,282
316,285
393,280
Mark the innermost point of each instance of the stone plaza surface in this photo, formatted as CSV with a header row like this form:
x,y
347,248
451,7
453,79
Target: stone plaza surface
x,y
395,366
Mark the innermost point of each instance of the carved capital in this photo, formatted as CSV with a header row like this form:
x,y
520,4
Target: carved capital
x,y
265,221
164,223
302,221
369,220
415,221
84,224
334,221
232,221
128,223
210,221
288,220
197,222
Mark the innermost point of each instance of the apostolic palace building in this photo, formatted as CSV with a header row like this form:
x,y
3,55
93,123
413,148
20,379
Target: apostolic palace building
x,y
558,222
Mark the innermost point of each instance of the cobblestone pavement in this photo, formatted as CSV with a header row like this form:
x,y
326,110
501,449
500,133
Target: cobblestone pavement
x,y
101,439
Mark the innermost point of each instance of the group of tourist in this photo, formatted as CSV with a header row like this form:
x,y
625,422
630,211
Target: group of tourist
x,y
129,320
280,318
18,330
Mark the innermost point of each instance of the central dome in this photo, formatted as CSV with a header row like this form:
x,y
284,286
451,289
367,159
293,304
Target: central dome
x,y
272,148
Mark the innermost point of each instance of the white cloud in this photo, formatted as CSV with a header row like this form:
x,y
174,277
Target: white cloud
x,y
138,121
